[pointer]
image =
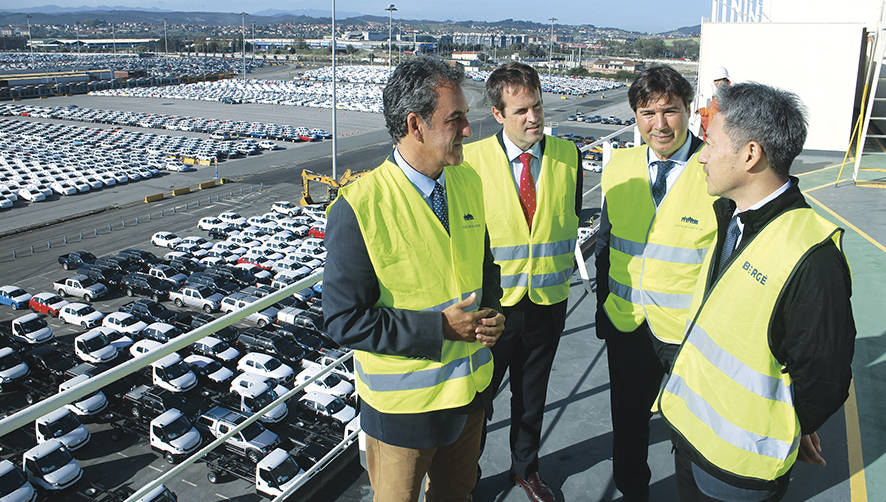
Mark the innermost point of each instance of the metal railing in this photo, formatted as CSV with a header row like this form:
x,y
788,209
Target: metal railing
x,y
37,410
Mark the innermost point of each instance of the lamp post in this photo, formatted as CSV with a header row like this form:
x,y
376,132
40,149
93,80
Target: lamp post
x,y
30,44
77,28
390,8
243,41
114,35
551,50
165,39
253,41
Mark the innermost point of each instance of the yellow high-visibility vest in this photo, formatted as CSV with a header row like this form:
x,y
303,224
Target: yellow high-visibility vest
x,y
727,395
421,267
539,261
654,256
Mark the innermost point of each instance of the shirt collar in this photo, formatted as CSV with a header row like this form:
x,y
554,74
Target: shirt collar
x,y
782,189
513,151
681,156
424,184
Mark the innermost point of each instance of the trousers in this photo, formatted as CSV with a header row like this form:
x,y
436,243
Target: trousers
x,y
396,473
635,373
526,351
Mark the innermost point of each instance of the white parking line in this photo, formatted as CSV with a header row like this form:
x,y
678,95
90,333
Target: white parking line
x,y
188,482
591,189
155,468
123,455
219,495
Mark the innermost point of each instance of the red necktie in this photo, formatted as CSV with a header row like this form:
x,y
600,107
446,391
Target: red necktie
x,y
527,189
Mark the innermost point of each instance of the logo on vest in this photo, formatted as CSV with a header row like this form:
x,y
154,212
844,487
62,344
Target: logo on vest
x,y
689,219
754,273
469,217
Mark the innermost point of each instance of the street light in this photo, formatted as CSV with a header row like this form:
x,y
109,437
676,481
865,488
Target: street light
x,y
551,51
30,44
77,27
243,40
114,35
390,8
253,41
165,39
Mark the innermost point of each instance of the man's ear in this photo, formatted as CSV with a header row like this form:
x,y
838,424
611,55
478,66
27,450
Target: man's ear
x,y
498,115
754,157
415,126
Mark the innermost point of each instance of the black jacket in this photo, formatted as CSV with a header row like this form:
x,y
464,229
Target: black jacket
x,y
812,331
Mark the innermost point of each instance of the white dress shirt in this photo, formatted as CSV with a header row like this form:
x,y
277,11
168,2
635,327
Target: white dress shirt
x,y
513,153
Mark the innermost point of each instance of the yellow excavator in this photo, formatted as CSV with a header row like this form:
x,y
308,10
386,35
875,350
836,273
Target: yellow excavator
x,y
332,185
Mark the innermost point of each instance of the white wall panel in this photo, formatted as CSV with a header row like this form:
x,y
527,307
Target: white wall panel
x,y
818,62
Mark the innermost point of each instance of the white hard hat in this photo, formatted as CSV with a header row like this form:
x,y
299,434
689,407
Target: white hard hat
x,y
720,73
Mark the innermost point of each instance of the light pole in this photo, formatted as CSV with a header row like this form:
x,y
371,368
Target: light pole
x,y
551,50
165,39
77,28
253,42
390,8
114,35
243,41
30,44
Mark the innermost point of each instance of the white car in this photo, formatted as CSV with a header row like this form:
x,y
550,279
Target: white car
x,y
327,405
212,369
208,223
80,314
196,240
142,347
230,247
246,380
88,406
267,366
232,218
165,240
267,145
124,323
94,347
63,188
330,383
286,207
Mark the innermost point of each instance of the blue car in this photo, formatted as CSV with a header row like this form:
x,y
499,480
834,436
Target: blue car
x,y
318,288
14,296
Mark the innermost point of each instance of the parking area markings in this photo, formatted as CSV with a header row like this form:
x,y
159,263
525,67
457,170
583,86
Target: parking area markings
x,y
122,454
188,482
219,495
155,468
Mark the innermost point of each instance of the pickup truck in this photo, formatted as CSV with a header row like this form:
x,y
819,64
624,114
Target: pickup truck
x,y
29,329
80,285
76,259
203,298
146,403
253,442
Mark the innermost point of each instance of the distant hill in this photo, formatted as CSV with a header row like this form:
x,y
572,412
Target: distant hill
x,y
685,31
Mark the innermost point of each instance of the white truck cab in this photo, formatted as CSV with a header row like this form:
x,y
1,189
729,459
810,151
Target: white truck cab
x,y
171,373
14,486
50,466
173,435
256,397
275,473
88,406
63,425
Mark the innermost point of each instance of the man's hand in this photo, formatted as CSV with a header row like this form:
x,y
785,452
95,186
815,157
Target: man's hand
x,y
490,327
810,447
483,325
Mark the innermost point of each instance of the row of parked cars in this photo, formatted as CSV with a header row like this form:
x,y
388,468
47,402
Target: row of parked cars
x,y
574,86
219,129
314,94
153,66
598,119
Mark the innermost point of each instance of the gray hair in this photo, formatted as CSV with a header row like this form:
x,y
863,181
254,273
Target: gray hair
x,y
774,118
412,88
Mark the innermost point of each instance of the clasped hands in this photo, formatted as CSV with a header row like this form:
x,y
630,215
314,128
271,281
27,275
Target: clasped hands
x,y
484,325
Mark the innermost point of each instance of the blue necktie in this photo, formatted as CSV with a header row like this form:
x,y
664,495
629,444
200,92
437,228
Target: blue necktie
x,y
438,204
660,186
732,233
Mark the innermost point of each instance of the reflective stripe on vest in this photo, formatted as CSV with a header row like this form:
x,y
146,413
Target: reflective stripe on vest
x,y
727,395
422,268
655,255
538,261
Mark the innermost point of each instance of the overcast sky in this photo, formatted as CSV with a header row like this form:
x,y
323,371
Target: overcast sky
x,y
639,15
